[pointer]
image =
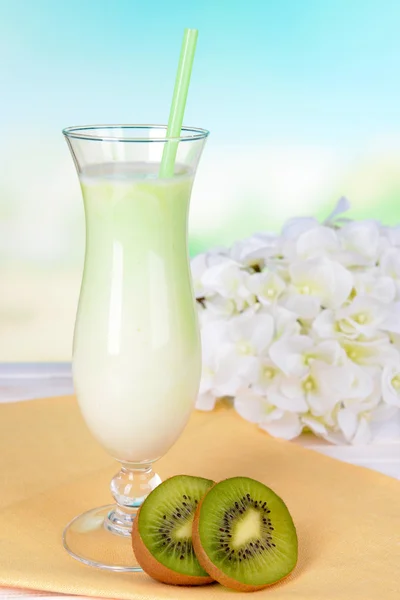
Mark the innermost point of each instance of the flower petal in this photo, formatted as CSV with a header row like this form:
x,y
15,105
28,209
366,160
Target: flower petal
x,y
281,424
322,278
390,383
375,352
206,401
231,373
324,324
254,329
295,227
264,376
363,434
365,316
370,284
348,423
360,243
267,286
220,306
213,336
316,242
392,319
305,307
315,425
342,382
263,332
249,406
387,429
254,250
342,206
288,354
286,322
293,402
390,263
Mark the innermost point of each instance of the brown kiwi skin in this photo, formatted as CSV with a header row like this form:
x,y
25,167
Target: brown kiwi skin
x,y
209,566
155,569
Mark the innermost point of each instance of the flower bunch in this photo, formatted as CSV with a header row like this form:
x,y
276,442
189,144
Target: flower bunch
x,y
302,329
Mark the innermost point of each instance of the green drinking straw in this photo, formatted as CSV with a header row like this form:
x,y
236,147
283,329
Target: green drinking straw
x,y
177,111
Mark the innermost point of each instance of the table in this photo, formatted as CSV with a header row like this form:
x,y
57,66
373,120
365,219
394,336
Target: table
x,y
27,381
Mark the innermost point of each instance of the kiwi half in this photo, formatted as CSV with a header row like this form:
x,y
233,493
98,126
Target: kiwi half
x,y
244,536
162,531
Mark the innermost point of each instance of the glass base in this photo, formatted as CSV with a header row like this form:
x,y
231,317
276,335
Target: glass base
x,y
97,538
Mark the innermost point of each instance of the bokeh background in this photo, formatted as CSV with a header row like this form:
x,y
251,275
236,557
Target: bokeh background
x,y
302,98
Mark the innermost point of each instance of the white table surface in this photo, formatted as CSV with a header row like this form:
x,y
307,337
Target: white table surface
x,y
29,381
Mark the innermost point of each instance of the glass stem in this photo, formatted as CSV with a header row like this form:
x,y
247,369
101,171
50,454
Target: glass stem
x,y
129,488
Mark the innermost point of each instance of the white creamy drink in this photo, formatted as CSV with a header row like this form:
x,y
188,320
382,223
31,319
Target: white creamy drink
x,y
136,347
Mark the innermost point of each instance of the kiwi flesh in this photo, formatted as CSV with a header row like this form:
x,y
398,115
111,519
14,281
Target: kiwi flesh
x,y
162,531
244,536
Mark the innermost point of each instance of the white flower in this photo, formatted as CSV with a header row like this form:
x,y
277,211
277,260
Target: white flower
x,y
294,355
385,424
200,266
206,401
255,250
223,371
249,405
356,415
360,243
228,279
249,334
230,353
288,393
315,424
342,206
392,322
293,228
302,329
212,336
391,384
395,340
348,381
372,352
317,393
363,316
393,235
390,266
355,429
316,242
268,286
316,283
379,288
264,375
286,322
283,424
326,326
218,306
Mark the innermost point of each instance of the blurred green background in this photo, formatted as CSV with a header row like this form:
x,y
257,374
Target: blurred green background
x,y
301,97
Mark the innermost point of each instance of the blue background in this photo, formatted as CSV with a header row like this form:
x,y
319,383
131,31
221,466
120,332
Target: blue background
x,y
289,69
301,97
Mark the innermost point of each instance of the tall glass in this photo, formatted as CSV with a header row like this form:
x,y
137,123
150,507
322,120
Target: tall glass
x,y
136,355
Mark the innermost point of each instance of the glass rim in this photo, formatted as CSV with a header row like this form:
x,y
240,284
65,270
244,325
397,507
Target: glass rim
x,y
88,132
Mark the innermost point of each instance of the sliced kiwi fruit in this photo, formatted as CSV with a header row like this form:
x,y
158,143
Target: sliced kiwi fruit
x,y
244,536
162,531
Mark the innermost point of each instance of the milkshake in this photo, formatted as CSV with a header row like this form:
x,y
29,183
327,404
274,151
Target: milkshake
x,y
136,361
136,356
